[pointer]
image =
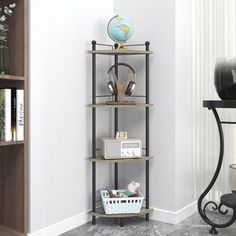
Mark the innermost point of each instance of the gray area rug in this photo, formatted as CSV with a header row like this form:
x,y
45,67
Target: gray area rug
x,y
192,226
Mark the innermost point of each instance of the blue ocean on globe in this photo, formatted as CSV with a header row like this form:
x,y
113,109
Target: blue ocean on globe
x,y
120,29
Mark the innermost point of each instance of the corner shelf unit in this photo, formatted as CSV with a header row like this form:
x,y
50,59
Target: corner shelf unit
x,y
98,211
13,154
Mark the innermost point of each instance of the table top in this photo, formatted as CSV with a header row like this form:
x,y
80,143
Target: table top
x,y
219,104
229,200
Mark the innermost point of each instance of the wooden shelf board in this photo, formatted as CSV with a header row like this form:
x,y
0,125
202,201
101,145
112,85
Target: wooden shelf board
x,y
100,213
103,105
124,160
11,77
4,231
10,143
120,52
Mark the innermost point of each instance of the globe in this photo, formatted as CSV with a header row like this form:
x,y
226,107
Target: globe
x,y
120,29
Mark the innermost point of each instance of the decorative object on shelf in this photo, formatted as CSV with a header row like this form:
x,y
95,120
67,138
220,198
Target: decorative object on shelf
x,y
121,195
121,148
225,78
5,12
121,135
117,195
120,29
111,195
119,89
132,189
232,178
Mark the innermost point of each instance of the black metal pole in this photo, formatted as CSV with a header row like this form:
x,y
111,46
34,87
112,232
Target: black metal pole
x,y
147,128
122,222
116,120
94,131
116,129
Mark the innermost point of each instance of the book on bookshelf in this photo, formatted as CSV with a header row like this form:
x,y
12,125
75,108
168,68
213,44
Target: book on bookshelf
x,y
13,114
5,115
19,115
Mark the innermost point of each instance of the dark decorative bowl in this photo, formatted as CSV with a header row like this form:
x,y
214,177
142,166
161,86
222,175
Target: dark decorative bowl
x,y
225,78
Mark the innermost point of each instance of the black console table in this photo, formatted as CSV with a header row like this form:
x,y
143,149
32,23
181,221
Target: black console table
x,y
229,199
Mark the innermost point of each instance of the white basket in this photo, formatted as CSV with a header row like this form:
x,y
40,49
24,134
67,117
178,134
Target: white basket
x,y
121,205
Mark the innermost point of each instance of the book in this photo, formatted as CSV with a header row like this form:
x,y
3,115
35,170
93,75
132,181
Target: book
x,y
13,114
5,115
19,115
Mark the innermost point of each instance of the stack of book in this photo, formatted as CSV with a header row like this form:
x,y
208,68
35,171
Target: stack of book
x,y
11,114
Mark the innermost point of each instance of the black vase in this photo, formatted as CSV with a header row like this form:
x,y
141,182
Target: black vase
x,y
225,78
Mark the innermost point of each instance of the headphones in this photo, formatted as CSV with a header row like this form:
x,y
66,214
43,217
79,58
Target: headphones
x,y
112,85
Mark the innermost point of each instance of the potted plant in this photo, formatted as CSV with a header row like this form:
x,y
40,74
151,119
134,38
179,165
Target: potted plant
x,y
5,12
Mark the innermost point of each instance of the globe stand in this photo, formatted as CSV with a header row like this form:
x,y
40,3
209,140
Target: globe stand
x,y
121,47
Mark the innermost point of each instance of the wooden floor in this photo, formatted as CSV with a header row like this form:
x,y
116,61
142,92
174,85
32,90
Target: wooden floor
x,y
4,231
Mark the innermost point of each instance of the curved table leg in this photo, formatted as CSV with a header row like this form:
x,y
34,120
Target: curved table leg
x,y
202,211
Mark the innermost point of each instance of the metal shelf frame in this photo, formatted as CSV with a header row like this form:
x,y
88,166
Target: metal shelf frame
x,y
94,55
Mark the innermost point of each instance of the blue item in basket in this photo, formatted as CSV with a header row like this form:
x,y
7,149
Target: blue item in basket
x,y
129,193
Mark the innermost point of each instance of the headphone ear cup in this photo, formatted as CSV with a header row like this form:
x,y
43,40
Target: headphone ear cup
x,y
112,87
130,88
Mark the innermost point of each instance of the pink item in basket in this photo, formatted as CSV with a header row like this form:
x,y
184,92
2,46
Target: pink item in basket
x,y
132,187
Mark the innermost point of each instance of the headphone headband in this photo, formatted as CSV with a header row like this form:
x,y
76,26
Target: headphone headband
x,y
120,64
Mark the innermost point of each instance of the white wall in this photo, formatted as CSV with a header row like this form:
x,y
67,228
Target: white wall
x,y
205,31
186,103
174,130
60,124
154,21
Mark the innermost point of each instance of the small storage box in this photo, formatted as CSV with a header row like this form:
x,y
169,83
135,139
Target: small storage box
x,y
121,205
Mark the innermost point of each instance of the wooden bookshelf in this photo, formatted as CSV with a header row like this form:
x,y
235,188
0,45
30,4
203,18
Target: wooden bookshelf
x,y
4,231
14,155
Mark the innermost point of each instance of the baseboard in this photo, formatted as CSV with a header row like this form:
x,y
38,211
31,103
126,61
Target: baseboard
x,y
174,217
64,226
82,218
